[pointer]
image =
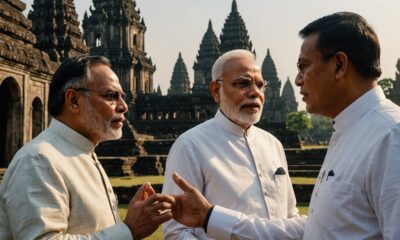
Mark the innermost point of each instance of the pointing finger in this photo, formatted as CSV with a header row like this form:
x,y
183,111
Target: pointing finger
x,y
185,186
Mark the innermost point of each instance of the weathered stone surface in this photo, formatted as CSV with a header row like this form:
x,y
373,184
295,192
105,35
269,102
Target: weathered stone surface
x,y
118,166
56,26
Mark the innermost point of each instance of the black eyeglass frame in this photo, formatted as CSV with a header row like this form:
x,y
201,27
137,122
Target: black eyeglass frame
x,y
111,95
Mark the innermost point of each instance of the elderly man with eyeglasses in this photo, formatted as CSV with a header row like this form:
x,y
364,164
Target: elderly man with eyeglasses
x,y
229,160
55,187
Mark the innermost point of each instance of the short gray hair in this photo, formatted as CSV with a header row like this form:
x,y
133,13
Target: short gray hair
x,y
218,67
73,72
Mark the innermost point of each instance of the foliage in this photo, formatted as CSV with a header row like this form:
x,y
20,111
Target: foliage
x,y
298,121
321,131
386,84
312,129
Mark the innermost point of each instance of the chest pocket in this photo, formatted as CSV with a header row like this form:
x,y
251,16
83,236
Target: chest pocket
x,y
334,204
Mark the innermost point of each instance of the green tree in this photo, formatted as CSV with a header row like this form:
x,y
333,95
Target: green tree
x,y
321,130
298,121
386,84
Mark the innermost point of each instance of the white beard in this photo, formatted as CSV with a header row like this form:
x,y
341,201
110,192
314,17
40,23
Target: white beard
x,y
233,112
93,121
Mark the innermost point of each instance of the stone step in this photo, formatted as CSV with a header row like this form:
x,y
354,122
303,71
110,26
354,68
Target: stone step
x,y
304,167
118,166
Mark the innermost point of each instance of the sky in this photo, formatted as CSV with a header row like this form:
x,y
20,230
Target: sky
x,y
175,26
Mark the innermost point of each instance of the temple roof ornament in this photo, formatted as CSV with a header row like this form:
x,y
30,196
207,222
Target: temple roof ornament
x,y
180,83
234,33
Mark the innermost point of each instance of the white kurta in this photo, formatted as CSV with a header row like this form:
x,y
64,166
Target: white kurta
x,y
357,195
233,168
56,188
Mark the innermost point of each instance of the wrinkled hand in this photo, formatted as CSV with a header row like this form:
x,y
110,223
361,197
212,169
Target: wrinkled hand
x,y
191,207
147,210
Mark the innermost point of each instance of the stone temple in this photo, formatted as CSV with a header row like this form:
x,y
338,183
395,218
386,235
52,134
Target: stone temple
x,y
31,49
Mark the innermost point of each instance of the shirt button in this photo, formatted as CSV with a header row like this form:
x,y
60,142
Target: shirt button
x,y
110,190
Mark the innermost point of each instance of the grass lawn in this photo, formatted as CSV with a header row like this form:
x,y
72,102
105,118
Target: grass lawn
x,y
135,180
303,180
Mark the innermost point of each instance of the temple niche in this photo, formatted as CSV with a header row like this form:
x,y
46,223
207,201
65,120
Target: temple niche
x,y
25,74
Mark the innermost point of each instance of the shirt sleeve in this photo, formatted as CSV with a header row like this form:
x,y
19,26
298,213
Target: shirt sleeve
x,y
384,179
232,225
181,160
36,201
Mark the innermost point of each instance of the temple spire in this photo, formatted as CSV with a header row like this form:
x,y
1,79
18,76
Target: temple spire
x,y
234,33
206,56
289,98
273,109
180,83
56,26
234,6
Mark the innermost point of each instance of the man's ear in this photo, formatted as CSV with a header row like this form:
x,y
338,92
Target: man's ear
x,y
342,64
71,100
214,89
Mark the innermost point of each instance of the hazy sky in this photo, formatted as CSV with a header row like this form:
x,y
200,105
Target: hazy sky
x,y
175,26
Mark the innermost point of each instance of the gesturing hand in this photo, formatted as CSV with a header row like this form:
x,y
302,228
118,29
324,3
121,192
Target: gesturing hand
x,y
147,210
191,207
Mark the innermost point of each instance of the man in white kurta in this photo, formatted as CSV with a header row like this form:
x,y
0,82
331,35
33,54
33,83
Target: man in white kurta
x,y
357,193
242,168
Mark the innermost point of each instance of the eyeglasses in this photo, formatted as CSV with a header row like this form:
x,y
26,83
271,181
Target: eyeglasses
x,y
247,84
109,95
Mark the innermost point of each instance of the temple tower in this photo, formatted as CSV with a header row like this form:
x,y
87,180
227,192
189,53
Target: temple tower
x,y
234,33
272,111
116,30
56,26
206,56
288,98
180,83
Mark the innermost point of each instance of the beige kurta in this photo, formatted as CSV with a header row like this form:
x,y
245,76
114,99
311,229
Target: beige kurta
x,y
56,188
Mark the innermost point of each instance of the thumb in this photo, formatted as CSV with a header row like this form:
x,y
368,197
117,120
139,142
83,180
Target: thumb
x,y
185,186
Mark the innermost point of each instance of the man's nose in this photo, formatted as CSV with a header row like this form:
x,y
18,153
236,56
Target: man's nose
x,y
254,91
122,107
299,79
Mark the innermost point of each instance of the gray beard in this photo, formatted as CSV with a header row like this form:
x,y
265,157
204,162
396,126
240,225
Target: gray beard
x,y
93,121
234,113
